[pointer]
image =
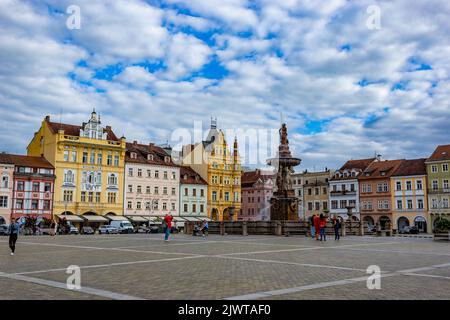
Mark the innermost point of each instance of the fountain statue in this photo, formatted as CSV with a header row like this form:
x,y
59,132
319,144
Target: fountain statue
x,y
284,203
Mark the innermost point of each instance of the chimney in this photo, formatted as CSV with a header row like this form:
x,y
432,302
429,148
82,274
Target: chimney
x,y
135,143
47,118
151,145
108,127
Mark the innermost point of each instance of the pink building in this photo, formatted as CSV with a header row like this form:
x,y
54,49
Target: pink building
x,y
6,187
152,182
257,189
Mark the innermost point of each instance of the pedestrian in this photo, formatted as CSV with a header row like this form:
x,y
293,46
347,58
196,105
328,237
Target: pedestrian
x,y
337,226
322,225
204,228
13,231
167,225
316,226
311,223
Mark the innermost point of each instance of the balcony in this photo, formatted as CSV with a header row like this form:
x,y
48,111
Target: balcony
x,y
342,193
438,191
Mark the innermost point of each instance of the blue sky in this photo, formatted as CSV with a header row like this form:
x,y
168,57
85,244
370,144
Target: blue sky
x,y
152,67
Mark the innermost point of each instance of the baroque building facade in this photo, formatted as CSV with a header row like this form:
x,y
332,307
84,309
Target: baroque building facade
x,y
89,167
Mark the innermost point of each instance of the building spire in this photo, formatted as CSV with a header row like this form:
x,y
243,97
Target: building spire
x,y
213,123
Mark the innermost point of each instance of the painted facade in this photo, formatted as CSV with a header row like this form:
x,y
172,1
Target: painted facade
x,y
297,185
438,170
193,194
152,182
257,189
409,196
375,193
89,166
6,187
316,192
344,189
221,168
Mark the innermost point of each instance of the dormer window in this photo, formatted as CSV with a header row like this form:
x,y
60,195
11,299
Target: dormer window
x,y
185,177
167,159
196,178
150,157
133,155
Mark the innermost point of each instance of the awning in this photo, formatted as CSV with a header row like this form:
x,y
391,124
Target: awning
x,y
92,218
154,219
70,217
194,219
116,218
137,219
178,219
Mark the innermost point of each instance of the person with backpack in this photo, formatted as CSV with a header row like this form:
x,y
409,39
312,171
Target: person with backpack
x,y
322,225
13,231
167,226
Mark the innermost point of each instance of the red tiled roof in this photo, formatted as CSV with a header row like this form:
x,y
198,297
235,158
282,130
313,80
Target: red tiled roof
x,y
5,158
142,150
375,169
414,167
360,164
189,176
249,178
29,161
74,130
441,153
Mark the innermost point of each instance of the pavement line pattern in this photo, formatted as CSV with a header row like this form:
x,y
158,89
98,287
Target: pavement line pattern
x,y
60,285
399,251
110,265
268,294
307,248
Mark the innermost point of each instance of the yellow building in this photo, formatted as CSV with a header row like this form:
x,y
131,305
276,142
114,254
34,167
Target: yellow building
x,y
89,168
409,196
214,162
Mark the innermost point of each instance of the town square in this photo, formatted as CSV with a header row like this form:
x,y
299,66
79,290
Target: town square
x,y
224,150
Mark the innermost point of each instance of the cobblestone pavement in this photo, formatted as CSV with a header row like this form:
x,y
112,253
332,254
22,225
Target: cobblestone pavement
x,y
224,267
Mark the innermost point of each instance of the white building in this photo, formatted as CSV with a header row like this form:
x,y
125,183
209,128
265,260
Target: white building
x,y
193,195
344,191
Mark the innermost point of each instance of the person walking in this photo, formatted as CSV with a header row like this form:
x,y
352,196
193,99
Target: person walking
x,y
167,223
316,223
204,228
337,227
13,231
322,225
311,223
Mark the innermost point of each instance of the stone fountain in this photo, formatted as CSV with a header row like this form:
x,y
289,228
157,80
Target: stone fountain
x,y
284,203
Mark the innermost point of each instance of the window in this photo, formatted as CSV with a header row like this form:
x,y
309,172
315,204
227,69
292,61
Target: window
x,y
369,205
130,205
334,204
445,203
343,204
445,167
69,176
139,173
172,206
46,205
408,185
352,203
156,190
5,181
194,192
68,196
352,187
47,187
34,204
66,155
92,159
109,160
385,204
325,205
434,168
398,186
165,190
147,205
202,192
35,187
445,184
434,203
130,172
236,197
164,206
138,205
130,188
380,204
385,187
435,185
185,207
419,184
174,175
186,192
147,190
97,197
99,158
3,201
420,204
85,157
139,189
410,204
399,204
156,174
83,196
19,204
310,206
174,192
112,180
20,185
214,196
317,205
194,208
116,161
316,191
91,197
227,196
149,173
74,156
202,208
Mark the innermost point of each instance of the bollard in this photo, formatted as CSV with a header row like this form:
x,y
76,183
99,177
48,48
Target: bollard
x,y
244,228
361,228
343,228
222,228
278,230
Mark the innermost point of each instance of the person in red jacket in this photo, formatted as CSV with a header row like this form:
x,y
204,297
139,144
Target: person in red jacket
x,y
167,223
322,225
316,220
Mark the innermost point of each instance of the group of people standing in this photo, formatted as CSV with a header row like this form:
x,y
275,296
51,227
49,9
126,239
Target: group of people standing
x,y
318,225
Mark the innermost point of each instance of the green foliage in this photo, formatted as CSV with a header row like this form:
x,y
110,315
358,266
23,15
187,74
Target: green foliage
x,y
442,225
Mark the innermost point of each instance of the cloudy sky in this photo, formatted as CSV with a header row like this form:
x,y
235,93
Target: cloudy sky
x,y
346,86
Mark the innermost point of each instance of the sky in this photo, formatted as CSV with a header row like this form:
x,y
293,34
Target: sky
x,y
348,82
